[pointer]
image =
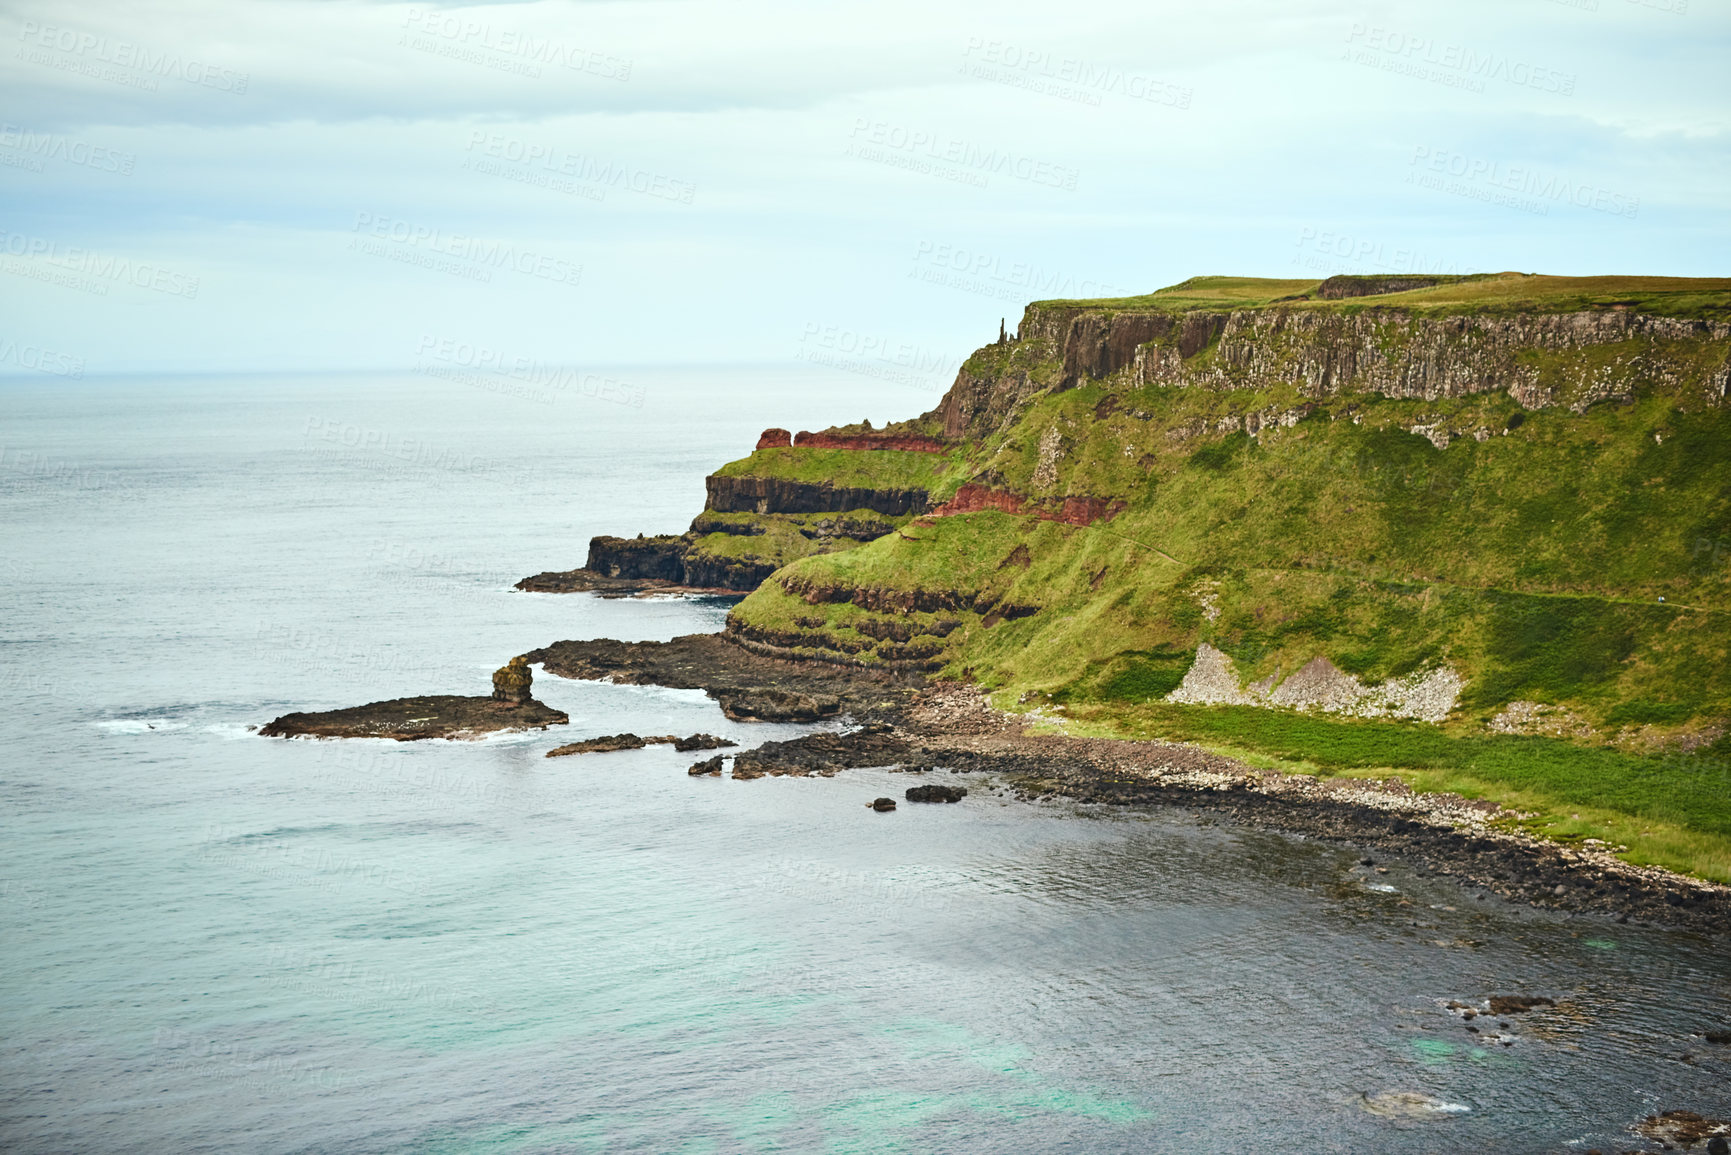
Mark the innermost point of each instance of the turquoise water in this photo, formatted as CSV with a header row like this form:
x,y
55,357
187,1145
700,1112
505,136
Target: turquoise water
x,y
216,942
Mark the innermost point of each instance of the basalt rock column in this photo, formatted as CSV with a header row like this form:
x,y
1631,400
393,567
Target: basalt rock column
x,y
511,682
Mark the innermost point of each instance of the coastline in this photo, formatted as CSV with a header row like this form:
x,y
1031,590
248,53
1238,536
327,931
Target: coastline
x,y
905,721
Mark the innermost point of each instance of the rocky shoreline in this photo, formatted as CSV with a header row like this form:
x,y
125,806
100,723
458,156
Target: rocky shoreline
x,y
898,720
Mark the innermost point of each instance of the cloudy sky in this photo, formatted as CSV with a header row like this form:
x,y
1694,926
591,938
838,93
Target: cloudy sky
x,y
227,185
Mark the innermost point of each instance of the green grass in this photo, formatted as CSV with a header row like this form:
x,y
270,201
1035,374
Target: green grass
x,y
1683,802
1693,297
853,468
1576,559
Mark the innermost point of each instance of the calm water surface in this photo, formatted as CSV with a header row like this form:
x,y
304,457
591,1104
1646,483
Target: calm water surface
x,y
216,942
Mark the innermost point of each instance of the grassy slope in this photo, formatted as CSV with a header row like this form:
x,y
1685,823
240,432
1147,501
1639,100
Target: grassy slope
x,y
855,468
1531,561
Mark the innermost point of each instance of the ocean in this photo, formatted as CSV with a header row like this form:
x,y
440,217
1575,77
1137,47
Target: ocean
x,y
216,942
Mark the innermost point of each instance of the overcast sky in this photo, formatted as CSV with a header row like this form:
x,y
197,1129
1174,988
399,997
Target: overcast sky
x,y
218,185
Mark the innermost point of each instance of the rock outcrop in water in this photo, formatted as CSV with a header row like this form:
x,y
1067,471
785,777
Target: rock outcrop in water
x,y
512,682
614,742
932,792
414,719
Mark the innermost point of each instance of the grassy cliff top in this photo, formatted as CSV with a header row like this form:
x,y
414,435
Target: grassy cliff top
x,y
852,468
1691,297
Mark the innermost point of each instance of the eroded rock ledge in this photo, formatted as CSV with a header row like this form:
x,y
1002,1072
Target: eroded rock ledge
x,y
749,686
412,719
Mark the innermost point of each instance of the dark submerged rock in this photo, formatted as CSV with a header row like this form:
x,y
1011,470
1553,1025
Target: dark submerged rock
x,y
882,804
935,793
603,745
1518,1004
702,742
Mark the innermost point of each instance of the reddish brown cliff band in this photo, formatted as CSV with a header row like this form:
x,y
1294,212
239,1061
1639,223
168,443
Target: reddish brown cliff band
x,y
906,442
972,498
775,439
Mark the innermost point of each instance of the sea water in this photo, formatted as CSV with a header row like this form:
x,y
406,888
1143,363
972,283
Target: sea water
x,y
212,941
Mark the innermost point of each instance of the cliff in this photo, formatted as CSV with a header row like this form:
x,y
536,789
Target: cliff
x,y
1472,528
1501,478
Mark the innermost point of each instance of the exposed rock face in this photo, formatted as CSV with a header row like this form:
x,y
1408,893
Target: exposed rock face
x,y
978,406
1340,287
780,495
414,719
512,681
704,571
1398,354
620,565
1395,352
772,705
1096,344
1212,680
756,687
660,558
775,439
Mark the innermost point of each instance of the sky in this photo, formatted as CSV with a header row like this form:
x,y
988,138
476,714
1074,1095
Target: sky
x,y
308,185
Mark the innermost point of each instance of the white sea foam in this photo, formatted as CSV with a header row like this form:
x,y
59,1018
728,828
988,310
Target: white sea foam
x,y
138,725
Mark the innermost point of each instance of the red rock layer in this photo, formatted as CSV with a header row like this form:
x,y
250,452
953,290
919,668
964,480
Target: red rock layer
x,y
775,439
907,442
972,498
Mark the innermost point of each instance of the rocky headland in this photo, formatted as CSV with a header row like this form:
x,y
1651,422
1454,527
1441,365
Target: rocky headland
x,y
1367,529
1474,522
